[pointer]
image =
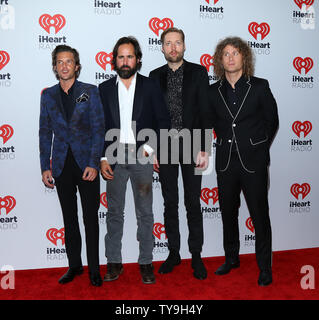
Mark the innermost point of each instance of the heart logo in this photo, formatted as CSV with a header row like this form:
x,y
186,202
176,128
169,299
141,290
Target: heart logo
x,y
57,22
263,29
102,58
308,3
207,61
8,203
6,132
158,230
297,189
298,127
207,194
215,1
4,59
306,63
103,199
157,24
250,225
54,235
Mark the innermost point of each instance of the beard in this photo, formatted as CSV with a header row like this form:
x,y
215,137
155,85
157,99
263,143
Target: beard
x,y
179,57
126,72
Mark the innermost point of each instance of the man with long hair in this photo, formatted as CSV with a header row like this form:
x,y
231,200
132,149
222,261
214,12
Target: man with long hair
x,y
245,119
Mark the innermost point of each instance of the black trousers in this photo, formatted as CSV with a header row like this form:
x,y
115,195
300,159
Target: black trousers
x,y
255,189
67,184
192,187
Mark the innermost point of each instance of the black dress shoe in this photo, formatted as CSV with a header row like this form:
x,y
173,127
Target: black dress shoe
x,y
70,274
200,271
173,260
265,278
114,270
226,267
96,279
147,273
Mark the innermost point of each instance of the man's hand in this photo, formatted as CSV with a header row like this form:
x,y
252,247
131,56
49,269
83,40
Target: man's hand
x,y
48,179
89,174
202,160
156,165
106,170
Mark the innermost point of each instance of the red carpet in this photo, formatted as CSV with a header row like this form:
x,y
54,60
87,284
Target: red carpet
x,y
240,284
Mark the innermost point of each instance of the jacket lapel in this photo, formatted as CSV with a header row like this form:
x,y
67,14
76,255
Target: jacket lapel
x,y
113,98
138,96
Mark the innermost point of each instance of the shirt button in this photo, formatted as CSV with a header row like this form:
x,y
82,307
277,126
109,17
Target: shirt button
x,y
234,125
229,141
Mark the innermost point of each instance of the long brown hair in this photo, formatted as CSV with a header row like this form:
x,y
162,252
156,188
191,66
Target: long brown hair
x,y
242,47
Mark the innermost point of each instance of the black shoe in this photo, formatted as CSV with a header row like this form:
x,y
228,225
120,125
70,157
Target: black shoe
x,y
226,267
96,279
200,271
70,274
173,260
147,273
265,278
114,270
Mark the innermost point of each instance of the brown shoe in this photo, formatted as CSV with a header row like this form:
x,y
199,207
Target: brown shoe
x,y
113,271
147,273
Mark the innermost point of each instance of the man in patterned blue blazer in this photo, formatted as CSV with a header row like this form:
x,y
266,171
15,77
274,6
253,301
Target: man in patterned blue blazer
x,y
72,135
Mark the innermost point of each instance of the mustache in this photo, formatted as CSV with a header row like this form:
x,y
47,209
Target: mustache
x,y
125,67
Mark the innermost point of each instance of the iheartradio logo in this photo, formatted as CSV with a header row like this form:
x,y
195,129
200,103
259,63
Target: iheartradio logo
x,y
215,1
250,225
297,189
103,199
207,61
157,24
207,194
305,127
306,63
300,3
158,230
57,22
8,203
54,235
103,59
4,59
263,29
6,132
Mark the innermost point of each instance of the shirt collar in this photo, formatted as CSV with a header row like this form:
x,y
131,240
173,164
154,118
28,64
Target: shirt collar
x,y
240,82
132,82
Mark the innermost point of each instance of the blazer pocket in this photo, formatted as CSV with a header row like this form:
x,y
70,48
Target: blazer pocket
x,y
258,140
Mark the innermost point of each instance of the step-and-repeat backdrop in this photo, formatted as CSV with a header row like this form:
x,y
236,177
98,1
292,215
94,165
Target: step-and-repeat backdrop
x,y
284,37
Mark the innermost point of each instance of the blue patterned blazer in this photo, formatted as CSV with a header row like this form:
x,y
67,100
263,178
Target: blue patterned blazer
x,y
84,133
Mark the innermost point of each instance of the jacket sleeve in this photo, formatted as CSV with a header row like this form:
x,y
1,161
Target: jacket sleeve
x,y
45,135
97,128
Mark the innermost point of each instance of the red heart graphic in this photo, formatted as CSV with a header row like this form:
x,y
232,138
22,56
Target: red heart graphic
x,y
250,225
57,22
308,3
54,235
306,63
207,194
263,29
297,189
6,132
4,59
298,127
103,199
215,1
102,58
156,24
8,202
158,230
207,61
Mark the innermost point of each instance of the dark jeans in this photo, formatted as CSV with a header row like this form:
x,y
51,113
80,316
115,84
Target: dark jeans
x,y
67,184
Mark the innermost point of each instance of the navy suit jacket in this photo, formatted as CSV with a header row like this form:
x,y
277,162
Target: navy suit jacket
x,y
84,133
149,109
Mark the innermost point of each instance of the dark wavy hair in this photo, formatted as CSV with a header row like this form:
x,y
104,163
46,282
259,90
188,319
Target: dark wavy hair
x,y
137,50
243,48
65,48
